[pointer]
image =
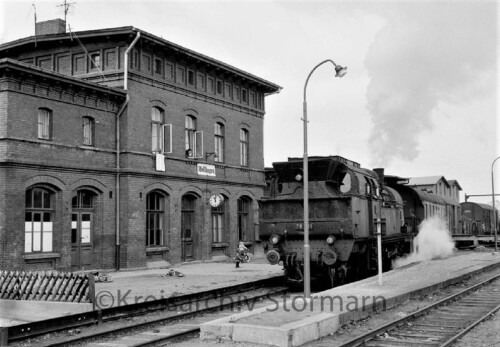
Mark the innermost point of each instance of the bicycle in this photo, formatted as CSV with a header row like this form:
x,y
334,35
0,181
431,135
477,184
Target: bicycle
x,y
243,257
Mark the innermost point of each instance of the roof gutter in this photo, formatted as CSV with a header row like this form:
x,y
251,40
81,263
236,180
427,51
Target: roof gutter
x,y
277,91
117,180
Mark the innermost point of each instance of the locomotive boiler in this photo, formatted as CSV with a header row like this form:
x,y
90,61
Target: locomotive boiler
x,y
345,202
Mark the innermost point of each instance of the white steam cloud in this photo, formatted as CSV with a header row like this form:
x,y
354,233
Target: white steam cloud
x,y
433,241
427,53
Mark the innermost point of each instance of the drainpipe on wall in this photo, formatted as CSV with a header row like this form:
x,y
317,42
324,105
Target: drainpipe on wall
x,y
118,115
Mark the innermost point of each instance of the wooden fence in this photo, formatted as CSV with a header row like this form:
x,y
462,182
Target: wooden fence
x,y
47,286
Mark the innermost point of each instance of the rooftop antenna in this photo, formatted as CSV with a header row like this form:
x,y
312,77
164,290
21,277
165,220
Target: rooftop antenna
x,y
66,8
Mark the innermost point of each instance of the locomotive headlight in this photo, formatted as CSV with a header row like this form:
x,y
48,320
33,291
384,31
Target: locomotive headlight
x,y
330,239
275,239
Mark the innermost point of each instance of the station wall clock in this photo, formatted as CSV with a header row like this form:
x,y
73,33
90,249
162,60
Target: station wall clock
x,y
216,200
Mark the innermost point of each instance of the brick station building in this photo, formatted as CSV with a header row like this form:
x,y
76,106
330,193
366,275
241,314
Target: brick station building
x,y
119,149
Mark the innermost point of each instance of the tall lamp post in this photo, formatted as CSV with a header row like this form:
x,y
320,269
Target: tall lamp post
x,y
493,198
340,72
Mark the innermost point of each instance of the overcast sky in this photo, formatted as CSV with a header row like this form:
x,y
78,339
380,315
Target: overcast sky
x,y
419,99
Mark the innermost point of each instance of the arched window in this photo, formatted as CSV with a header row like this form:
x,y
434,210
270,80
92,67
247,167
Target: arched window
x,y
218,223
84,199
88,131
244,219
244,147
219,142
189,131
157,121
155,207
38,220
44,123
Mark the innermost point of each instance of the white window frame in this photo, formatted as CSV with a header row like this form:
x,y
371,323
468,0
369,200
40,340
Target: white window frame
x,y
157,130
244,147
38,235
198,144
189,134
167,139
219,142
44,123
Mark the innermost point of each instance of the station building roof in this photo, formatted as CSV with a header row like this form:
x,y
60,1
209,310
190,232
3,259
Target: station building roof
x,y
426,181
129,32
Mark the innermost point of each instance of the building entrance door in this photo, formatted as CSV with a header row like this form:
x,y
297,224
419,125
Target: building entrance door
x,y
187,236
81,240
187,228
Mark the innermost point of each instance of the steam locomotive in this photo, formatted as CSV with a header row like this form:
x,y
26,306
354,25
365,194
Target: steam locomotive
x,y
345,201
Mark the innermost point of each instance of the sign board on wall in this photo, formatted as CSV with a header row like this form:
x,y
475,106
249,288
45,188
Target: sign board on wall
x,y
206,170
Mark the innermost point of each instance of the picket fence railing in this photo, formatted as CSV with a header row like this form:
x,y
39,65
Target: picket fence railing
x,y
47,286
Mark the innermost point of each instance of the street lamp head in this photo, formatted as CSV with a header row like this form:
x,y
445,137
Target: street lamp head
x,y
340,71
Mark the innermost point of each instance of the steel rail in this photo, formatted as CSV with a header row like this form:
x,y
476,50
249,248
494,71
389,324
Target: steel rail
x,y
162,341
33,329
360,340
470,327
177,317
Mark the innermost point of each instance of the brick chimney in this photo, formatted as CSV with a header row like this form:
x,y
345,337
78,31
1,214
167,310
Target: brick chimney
x,y
49,27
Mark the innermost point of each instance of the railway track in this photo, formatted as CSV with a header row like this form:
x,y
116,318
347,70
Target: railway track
x,y
440,324
162,330
161,320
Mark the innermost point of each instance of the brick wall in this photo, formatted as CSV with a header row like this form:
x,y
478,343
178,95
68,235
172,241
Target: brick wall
x,y
64,165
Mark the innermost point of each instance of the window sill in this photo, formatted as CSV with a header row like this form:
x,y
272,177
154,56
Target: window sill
x,y
29,256
220,244
157,249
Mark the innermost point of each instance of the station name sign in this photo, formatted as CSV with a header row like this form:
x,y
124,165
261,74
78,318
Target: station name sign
x,y
205,170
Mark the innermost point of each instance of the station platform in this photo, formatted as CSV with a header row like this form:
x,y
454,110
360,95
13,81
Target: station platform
x,y
130,287
293,321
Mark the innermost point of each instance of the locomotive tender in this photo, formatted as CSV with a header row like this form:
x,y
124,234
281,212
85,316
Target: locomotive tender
x,y
345,202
